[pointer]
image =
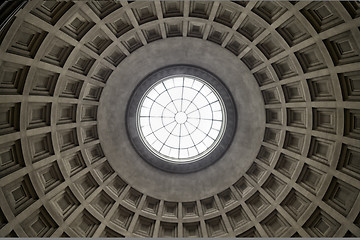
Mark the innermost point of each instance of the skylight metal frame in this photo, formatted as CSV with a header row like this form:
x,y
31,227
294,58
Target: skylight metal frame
x,y
181,156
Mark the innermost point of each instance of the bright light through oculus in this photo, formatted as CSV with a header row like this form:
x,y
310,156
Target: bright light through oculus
x,y
181,118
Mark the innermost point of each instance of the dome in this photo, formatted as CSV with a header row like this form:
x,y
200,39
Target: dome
x,y
276,135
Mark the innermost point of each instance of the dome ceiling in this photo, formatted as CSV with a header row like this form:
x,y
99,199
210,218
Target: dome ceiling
x,y
67,71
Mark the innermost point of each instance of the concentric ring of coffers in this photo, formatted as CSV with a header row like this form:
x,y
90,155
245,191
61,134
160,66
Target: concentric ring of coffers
x,y
181,118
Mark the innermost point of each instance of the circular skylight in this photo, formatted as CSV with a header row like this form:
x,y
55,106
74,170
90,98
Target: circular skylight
x,y
181,118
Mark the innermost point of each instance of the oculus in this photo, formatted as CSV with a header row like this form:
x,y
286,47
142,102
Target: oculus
x,y
181,119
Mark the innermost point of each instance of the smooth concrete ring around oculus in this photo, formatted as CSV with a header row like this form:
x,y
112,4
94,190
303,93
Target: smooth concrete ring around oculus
x,y
181,186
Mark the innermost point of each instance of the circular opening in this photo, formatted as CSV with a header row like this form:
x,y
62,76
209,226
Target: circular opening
x,y
181,118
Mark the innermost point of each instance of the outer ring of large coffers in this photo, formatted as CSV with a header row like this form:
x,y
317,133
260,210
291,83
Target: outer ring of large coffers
x,y
206,160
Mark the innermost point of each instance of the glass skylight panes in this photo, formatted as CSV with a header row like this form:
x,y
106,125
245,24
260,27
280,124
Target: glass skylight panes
x,y
181,118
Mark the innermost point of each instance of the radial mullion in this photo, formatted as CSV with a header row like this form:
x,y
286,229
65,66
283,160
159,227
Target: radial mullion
x,y
191,139
159,128
179,142
194,96
172,101
170,133
202,131
199,108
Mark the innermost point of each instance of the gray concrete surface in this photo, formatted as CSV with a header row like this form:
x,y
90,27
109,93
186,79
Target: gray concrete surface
x,y
171,186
